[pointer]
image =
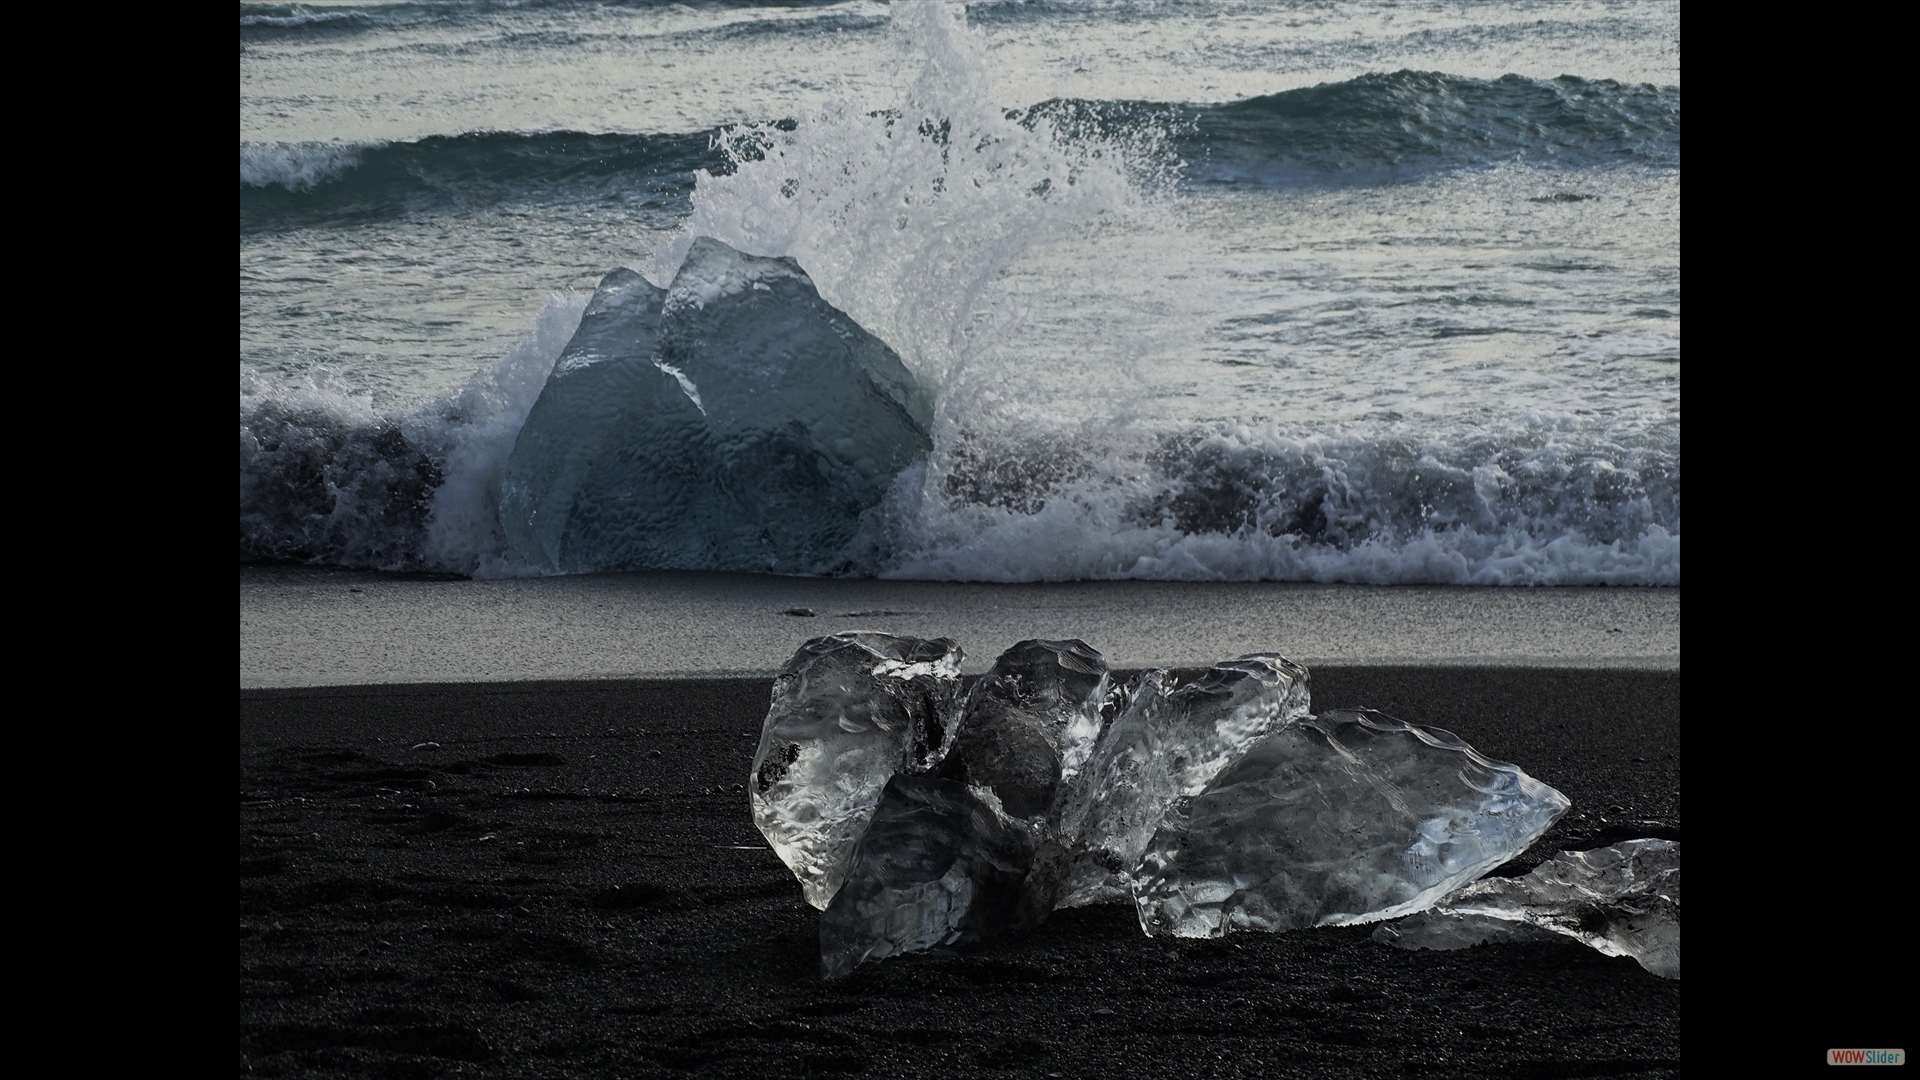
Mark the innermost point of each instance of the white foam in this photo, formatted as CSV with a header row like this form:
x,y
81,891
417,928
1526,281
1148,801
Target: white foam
x,y
463,528
302,17
297,166
904,216
320,465
1526,503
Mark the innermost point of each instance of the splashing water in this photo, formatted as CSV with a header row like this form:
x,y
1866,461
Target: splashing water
x,y
327,477
905,216
910,217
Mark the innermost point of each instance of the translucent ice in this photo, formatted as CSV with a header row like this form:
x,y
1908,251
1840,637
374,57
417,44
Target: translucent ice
x,y
848,712
736,421
971,852
1031,723
1623,900
1162,747
941,862
605,409
1348,817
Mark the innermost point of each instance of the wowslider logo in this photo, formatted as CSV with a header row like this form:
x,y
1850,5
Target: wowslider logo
x,y
1866,1057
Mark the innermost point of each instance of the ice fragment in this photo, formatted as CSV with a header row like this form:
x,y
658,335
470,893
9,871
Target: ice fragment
x,y
1030,723
972,852
848,712
1162,747
1623,900
940,862
1348,817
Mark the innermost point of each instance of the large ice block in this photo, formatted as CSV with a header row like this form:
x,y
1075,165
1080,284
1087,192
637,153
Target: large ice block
x,y
607,409
1348,817
735,421
1162,747
1623,900
940,863
848,712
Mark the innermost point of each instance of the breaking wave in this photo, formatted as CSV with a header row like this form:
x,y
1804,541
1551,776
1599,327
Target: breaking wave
x,y
293,185
327,478
295,167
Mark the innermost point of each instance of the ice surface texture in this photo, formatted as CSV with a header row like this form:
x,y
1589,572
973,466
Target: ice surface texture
x,y
1165,746
735,421
973,851
1623,900
849,711
1031,723
940,862
1347,817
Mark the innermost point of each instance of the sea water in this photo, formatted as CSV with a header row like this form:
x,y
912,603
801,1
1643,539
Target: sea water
x,y
1209,290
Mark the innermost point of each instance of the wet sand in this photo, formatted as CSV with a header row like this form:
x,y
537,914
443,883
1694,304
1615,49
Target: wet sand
x,y
301,626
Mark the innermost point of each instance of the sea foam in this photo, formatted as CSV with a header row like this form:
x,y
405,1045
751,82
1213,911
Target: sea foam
x,y
297,166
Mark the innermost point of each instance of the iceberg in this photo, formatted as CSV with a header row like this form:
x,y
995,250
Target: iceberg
x,y
1347,817
732,421
579,432
1623,900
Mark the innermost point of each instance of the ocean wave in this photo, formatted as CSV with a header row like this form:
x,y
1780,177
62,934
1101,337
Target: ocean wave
x,y
1381,123
275,21
1535,503
328,479
1374,129
291,185
296,167
708,19
1401,126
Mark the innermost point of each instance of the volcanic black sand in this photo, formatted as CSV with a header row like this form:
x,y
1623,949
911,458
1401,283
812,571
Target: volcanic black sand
x,y
563,879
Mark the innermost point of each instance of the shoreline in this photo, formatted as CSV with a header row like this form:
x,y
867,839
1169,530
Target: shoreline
x,y
305,626
561,878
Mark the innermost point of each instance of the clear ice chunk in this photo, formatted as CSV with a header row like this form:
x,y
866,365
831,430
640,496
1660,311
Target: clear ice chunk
x,y
1348,817
1623,900
734,421
971,852
1166,745
1031,723
848,712
940,863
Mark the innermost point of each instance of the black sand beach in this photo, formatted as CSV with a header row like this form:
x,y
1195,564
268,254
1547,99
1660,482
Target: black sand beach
x,y
565,881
